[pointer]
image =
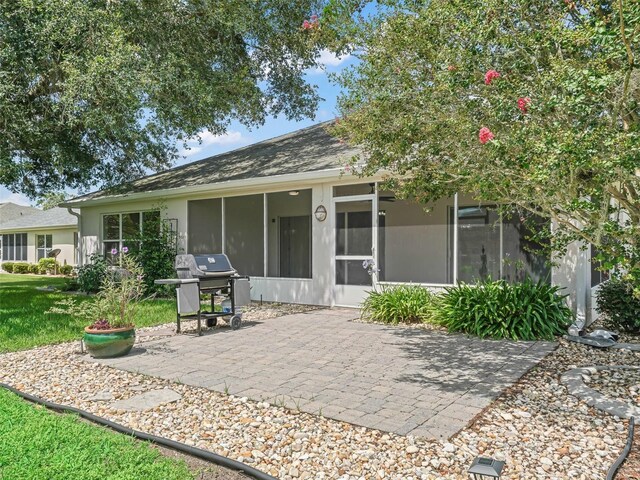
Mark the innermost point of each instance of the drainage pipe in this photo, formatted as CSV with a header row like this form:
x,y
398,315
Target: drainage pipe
x,y
611,474
165,442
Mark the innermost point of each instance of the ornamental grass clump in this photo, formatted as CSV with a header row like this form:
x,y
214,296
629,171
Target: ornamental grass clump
x,y
522,311
399,304
116,303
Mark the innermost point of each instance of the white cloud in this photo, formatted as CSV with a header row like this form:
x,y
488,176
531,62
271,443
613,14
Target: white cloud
x,y
7,196
330,59
208,139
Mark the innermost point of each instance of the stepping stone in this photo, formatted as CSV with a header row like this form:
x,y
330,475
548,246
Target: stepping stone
x,y
147,400
101,397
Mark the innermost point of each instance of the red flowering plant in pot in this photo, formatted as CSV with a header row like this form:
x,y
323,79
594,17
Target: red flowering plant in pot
x,y
111,312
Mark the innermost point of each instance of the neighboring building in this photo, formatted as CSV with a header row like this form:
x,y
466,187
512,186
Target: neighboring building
x,y
286,213
31,236
12,211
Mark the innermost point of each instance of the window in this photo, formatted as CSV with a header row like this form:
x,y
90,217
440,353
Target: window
x,y
597,275
122,230
43,245
289,234
14,247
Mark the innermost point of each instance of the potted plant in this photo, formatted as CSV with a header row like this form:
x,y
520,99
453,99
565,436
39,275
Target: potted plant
x,y
112,310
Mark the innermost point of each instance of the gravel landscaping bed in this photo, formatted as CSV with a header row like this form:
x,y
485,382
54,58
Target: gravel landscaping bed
x,y
535,426
622,385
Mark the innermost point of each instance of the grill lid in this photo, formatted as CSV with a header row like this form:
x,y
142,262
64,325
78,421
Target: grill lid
x,y
205,265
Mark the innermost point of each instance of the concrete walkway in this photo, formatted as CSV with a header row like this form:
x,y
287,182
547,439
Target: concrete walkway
x,y
396,379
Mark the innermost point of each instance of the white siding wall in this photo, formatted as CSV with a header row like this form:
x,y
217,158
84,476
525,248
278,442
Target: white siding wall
x,y
61,238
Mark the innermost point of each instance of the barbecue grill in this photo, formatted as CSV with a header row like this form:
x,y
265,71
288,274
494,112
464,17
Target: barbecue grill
x,y
208,274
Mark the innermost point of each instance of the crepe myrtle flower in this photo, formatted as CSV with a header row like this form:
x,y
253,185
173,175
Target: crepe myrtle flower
x,y
485,135
523,104
114,251
490,75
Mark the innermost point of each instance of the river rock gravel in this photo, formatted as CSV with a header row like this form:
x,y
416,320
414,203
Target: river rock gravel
x,y
535,426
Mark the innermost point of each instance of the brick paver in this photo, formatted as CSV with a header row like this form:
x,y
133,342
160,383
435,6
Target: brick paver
x,y
403,380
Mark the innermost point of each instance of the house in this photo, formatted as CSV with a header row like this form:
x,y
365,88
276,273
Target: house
x,y
29,234
286,213
11,211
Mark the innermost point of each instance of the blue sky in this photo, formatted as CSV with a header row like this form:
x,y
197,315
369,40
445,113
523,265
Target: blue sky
x,y
238,136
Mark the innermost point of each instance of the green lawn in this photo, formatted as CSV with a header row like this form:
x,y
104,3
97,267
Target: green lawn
x,y
24,323
38,444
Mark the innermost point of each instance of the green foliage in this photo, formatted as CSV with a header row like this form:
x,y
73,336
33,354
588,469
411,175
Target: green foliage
x,y
35,268
565,110
26,324
38,444
65,270
8,266
520,311
156,251
48,265
51,200
118,300
100,91
21,267
615,299
91,275
399,304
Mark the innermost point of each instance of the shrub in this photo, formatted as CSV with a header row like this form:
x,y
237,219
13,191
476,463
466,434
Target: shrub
x,y
65,270
8,267
90,276
34,268
21,267
156,252
48,265
399,304
615,299
521,311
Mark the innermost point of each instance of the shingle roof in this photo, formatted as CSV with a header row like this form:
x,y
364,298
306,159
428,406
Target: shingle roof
x,y
307,150
11,211
54,217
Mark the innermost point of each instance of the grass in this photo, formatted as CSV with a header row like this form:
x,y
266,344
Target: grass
x,y
41,445
25,324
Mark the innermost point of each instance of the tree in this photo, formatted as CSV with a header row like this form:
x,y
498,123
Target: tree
x,y
96,93
529,103
51,199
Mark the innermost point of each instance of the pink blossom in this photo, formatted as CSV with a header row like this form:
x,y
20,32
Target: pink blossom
x,y
490,75
313,22
485,135
125,249
114,251
523,103
306,25
452,68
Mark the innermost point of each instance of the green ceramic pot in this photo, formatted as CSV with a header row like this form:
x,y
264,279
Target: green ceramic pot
x,y
111,343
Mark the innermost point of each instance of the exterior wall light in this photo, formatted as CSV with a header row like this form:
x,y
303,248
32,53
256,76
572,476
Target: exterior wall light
x,y
294,193
320,213
484,468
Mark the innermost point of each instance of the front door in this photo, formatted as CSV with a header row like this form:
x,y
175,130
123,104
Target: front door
x,y
355,248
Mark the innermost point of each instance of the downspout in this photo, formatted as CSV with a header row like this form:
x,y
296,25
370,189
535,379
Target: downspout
x,y
79,256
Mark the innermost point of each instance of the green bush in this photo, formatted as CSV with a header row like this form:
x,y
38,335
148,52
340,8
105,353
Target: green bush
x,y
155,251
48,265
65,270
21,267
90,276
521,311
399,304
615,299
8,267
34,268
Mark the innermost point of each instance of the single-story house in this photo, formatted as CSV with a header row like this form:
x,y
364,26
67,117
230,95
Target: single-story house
x,y
287,213
30,236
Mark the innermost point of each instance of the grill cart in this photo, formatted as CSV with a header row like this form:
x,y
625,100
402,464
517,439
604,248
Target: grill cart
x,y
209,274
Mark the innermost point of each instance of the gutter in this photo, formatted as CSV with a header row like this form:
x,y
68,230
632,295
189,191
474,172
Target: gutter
x,y
79,258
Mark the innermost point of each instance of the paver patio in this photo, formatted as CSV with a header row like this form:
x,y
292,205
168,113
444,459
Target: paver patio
x,y
396,379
